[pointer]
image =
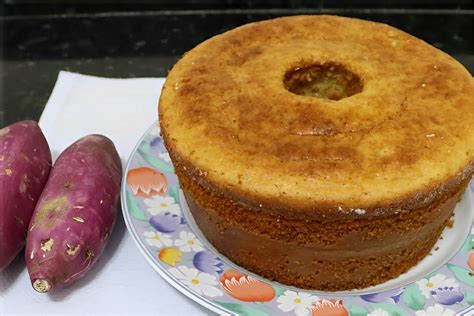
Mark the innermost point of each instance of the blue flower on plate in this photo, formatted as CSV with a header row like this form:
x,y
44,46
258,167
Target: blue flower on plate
x,y
207,262
155,142
166,222
447,295
390,296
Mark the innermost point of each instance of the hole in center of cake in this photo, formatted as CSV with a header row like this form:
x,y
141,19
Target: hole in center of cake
x,y
328,81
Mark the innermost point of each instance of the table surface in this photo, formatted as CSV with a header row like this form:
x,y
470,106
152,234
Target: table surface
x,y
35,47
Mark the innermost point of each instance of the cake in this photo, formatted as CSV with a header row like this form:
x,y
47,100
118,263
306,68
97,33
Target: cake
x,y
320,152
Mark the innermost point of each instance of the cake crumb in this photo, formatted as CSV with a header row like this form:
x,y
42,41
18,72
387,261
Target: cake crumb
x,y
450,223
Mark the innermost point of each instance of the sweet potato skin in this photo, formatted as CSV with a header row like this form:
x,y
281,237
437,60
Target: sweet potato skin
x,y
25,162
75,214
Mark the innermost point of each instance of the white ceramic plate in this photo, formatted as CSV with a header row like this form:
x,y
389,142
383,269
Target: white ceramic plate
x,y
159,221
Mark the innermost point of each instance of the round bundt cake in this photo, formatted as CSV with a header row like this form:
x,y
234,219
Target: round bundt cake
x,y
319,151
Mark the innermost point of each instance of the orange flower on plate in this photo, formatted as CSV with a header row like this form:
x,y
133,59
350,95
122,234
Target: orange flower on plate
x,y
470,261
245,288
171,256
146,181
329,308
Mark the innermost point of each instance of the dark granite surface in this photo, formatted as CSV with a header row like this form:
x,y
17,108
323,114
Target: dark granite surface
x,y
35,47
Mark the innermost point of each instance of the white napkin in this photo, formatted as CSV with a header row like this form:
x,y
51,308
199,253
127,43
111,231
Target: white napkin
x,y
122,283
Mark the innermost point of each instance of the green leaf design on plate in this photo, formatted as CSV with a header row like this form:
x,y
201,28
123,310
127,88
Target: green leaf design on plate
x,y
144,146
134,208
242,309
392,310
278,291
357,310
470,298
153,161
413,298
467,246
462,274
173,191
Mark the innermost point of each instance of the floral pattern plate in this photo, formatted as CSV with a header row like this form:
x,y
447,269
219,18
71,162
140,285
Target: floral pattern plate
x,y
157,217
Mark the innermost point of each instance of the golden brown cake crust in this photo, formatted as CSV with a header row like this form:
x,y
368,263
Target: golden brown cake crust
x,y
401,143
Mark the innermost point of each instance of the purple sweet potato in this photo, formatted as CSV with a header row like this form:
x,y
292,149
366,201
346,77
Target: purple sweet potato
x,y
75,214
25,162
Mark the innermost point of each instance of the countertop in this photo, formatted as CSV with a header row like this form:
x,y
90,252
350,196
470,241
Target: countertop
x,y
34,48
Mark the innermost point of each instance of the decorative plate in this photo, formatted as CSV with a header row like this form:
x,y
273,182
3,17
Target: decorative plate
x,y
159,221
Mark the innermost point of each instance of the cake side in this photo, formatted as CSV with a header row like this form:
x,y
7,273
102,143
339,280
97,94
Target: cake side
x,y
325,254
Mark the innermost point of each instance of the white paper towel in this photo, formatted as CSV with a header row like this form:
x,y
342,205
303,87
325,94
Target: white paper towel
x,y
122,283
